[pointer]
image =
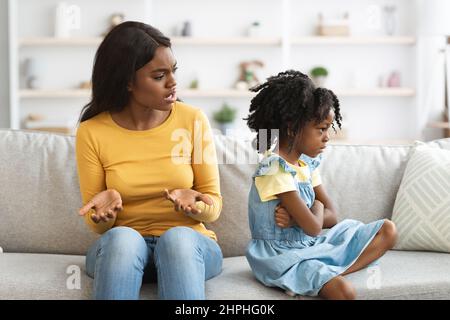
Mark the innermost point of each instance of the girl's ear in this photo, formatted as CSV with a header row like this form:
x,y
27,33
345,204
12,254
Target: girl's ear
x,y
289,131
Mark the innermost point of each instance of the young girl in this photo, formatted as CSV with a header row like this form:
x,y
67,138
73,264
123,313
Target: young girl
x,y
289,207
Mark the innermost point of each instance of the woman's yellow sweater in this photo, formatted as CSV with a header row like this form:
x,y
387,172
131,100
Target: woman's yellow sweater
x,y
178,154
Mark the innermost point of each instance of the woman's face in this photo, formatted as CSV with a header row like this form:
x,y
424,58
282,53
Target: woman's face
x,y
154,84
313,138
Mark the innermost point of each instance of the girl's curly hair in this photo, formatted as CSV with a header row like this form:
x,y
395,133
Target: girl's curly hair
x,y
287,102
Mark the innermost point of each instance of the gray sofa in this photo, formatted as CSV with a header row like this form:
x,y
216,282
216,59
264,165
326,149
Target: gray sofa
x,y
44,241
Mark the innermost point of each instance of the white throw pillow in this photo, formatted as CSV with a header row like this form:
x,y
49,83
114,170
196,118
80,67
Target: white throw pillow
x,y
1,250
422,207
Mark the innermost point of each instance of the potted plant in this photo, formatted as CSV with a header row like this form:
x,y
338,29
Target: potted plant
x,y
319,75
225,117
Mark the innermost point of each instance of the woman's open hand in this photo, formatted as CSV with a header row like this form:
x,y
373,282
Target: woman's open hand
x,y
282,218
106,205
185,199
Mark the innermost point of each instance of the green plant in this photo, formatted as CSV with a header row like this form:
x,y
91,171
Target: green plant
x,y
319,72
193,84
225,114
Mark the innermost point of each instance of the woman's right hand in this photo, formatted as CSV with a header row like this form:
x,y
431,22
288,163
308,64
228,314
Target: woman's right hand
x,y
106,205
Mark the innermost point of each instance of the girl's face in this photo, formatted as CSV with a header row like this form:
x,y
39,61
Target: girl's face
x,y
154,84
313,138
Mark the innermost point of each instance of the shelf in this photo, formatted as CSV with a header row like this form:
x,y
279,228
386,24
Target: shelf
x,y
376,92
386,142
66,93
213,93
223,41
353,40
51,41
439,125
90,41
82,93
225,93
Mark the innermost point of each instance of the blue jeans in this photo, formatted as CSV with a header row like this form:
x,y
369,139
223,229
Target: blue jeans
x,y
181,260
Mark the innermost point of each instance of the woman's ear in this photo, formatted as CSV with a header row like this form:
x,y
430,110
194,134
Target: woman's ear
x,y
130,86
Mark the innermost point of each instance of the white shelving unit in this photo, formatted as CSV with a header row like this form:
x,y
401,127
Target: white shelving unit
x,y
225,93
439,125
51,41
236,41
285,44
353,40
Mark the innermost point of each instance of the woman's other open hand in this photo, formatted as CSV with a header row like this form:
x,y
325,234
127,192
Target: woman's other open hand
x,y
185,199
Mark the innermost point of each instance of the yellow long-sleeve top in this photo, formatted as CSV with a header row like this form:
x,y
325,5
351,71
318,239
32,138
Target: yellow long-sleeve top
x,y
178,154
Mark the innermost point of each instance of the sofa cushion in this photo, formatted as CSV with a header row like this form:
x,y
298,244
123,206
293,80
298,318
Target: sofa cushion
x,y
42,276
401,275
422,207
43,181
39,194
361,180
237,162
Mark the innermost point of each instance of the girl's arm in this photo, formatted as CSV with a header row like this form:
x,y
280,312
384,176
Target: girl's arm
x,y
310,220
330,213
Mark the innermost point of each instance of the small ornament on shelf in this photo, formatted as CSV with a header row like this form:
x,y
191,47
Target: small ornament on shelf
x,y
394,80
41,123
187,29
194,84
29,79
247,77
67,19
254,30
114,20
390,22
225,117
86,85
333,27
319,75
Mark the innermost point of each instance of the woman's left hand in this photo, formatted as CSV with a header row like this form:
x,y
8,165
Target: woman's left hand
x,y
185,199
282,218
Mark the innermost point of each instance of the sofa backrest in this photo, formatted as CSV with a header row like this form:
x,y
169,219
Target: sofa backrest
x,y
40,196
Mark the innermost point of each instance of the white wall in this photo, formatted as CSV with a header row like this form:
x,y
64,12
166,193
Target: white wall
x,y
366,118
433,24
4,80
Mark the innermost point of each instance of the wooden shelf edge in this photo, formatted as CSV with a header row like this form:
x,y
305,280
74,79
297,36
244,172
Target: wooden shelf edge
x,y
65,93
439,125
270,41
354,40
213,93
53,41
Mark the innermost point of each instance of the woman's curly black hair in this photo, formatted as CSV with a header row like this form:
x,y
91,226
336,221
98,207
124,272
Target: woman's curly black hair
x,y
286,102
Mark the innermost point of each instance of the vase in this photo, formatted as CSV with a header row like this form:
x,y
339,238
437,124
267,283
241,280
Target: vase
x,y
389,19
225,126
319,81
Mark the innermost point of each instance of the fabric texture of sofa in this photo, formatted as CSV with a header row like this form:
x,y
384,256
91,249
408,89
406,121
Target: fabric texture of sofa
x,y
44,240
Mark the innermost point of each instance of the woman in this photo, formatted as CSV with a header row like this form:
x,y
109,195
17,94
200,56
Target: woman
x,y
135,142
